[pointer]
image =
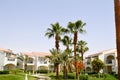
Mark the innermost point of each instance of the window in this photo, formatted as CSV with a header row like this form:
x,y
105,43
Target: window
x,y
45,62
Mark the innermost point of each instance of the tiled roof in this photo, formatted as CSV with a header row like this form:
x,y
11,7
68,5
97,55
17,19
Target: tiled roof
x,y
6,50
101,52
41,54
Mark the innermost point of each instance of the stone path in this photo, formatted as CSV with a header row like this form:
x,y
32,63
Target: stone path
x,y
42,77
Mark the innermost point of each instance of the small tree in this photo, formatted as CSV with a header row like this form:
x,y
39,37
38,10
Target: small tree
x,y
24,59
97,65
55,58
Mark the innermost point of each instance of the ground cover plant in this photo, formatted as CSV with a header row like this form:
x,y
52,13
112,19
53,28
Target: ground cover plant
x,y
19,76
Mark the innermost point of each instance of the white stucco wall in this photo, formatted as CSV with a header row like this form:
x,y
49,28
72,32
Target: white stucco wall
x,y
41,63
101,57
10,62
2,58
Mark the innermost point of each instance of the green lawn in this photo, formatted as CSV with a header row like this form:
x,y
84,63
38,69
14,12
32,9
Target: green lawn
x,y
108,77
15,77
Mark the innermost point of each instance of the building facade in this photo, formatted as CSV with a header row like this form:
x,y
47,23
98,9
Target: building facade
x,y
8,59
35,60
109,57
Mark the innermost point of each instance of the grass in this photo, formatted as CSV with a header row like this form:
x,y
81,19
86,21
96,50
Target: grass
x,y
53,77
15,77
109,77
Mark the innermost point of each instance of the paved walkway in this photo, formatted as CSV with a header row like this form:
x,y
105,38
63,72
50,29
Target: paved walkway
x,y
26,77
42,77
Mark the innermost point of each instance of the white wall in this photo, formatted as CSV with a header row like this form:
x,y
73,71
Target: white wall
x,y
2,57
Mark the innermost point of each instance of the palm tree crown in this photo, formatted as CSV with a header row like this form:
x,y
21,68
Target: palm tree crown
x,y
76,27
55,31
82,48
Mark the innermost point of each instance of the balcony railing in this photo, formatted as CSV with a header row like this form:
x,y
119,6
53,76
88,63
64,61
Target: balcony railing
x,y
109,61
30,62
87,63
11,59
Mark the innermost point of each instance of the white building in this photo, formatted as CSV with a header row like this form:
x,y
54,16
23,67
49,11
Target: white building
x,y
35,60
8,59
109,57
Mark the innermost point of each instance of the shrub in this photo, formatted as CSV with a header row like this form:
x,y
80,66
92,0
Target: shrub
x,y
53,77
71,76
90,73
15,71
83,77
42,71
4,72
116,75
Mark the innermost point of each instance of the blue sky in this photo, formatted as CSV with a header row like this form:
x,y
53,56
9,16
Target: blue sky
x,y
23,23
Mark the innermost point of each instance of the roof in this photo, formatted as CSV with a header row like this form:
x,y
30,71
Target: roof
x,y
5,50
40,54
101,52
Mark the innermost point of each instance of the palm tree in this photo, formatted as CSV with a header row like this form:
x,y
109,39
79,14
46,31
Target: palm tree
x,y
70,64
74,29
55,31
65,57
55,58
82,48
117,21
25,60
67,41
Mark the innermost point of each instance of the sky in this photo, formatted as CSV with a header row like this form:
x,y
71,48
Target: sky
x,y
23,23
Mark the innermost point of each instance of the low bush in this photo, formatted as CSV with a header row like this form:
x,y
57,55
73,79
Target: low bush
x,y
71,76
15,71
53,77
4,72
42,71
83,77
90,73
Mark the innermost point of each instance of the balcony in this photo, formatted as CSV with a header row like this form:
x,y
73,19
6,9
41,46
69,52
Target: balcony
x,y
110,62
88,63
10,60
43,62
30,63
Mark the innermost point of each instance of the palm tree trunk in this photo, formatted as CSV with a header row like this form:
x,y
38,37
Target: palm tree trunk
x,y
57,47
82,56
57,70
57,42
75,41
25,67
64,72
54,68
117,21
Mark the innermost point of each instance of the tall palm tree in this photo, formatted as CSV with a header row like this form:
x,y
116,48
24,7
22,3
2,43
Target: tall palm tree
x,y
55,31
74,29
117,21
82,48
